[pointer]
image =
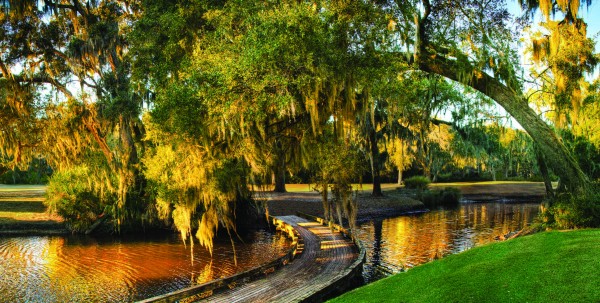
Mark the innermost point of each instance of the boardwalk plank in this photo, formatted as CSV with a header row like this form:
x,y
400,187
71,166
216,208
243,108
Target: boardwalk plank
x,y
326,254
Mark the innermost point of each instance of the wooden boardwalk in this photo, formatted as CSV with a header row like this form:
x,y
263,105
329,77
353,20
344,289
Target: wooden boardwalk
x,y
325,259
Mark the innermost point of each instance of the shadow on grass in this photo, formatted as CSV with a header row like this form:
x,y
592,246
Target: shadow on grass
x,y
22,207
10,226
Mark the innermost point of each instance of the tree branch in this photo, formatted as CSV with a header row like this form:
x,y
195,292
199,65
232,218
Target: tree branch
x,y
515,103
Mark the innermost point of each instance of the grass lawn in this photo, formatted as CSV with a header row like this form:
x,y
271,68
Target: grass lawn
x,y
502,187
544,267
298,188
22,208
4,188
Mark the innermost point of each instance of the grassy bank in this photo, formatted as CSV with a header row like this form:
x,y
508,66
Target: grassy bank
x,y
545,267
22,211
468,188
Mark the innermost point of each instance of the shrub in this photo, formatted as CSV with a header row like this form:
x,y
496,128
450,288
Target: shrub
x,y
573,211
449,196
70,195
446,177
417,182
294,179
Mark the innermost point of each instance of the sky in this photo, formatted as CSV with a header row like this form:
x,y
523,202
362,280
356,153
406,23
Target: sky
x,y
592,18
591,15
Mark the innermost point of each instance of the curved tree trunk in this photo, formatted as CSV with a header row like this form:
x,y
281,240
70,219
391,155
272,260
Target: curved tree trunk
x,y
558,158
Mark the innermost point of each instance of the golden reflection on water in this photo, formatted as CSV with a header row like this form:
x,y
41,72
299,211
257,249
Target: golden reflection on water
x,y
72,269
403,242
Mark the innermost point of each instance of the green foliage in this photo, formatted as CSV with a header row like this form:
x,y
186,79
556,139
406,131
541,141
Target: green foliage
x,y
417,182
449,196
195,189
294,179
230,84
336,166
38,172
564,265
71,195
585,152
569,210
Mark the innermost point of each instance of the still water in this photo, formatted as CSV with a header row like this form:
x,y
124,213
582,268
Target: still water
x,y
397,244
85,269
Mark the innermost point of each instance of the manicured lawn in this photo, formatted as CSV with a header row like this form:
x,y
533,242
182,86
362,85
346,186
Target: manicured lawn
x,y
545,267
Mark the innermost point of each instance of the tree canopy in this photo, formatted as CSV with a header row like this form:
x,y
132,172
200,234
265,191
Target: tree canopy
x,y
170,111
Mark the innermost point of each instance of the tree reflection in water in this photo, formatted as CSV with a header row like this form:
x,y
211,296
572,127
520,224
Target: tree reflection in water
x,y
86,269
399,243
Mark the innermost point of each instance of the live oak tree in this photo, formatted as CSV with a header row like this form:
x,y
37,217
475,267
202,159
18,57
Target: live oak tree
x,y
475,49
247,66
252,78
67,95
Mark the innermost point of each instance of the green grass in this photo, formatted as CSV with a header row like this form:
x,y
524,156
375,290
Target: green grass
x,y
19,188
309,187
22,208
545,267
392,186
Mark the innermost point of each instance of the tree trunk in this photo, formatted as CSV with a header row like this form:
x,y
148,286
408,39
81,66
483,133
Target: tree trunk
x,y
324,191
506,168
544,171
280,170
375,171
399,176
515,103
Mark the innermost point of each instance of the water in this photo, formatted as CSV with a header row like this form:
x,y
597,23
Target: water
x,y
399,243
85,269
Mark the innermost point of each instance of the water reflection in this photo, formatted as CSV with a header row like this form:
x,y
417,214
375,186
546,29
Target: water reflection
x,y
84,269
400,243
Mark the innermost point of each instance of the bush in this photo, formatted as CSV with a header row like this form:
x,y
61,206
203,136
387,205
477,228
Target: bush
x,y
70,195
446,177
573,211
417,182
449,196
294,179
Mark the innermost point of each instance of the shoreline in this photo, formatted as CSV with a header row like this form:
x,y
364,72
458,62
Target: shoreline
x,y
32,220
11,227
23,213
396,202
33,232
391,204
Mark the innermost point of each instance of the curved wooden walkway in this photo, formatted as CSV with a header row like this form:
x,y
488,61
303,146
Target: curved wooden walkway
x,y
325,257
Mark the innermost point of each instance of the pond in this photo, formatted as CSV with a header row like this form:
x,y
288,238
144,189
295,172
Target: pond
x,y
397,244
86,269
